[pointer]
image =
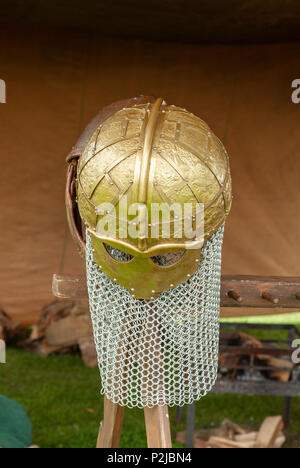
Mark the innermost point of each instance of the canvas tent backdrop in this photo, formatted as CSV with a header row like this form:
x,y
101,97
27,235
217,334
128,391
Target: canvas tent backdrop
x,y
56,82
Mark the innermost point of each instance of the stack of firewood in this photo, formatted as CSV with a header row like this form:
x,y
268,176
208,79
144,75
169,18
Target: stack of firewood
x,y
231,435
63,327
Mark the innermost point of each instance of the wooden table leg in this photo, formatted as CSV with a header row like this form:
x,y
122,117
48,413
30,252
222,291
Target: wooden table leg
x,y
111,426
158,427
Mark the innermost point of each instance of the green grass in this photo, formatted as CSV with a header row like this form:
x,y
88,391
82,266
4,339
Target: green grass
x,y
291,319
57,392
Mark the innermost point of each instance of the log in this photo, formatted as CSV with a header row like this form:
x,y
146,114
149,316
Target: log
x,y
280,441
223,442
281,375
231,435
68,331
52,312
247,437
88,350
61,328
227,429
233,426
268,432
203,434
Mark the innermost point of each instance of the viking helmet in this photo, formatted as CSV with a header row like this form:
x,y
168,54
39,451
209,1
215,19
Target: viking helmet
x,y
154,299
150,155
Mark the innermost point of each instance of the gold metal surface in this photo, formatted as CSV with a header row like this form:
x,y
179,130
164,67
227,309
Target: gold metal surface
x,y
152,153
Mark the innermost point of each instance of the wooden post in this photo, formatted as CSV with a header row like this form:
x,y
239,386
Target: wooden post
x,y
111,426
158,427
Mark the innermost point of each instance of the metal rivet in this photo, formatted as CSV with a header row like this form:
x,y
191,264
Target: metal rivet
x,y
153,291
115,279
197,260
151,297
171,285
132,289
188,275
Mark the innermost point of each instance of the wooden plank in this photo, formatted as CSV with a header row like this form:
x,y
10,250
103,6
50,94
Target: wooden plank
x,y
158,427
223,442
248,436
111,426
249,289
235,428
280,441
268,432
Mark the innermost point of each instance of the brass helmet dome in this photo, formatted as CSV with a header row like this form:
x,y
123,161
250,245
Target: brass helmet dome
x,y
149,153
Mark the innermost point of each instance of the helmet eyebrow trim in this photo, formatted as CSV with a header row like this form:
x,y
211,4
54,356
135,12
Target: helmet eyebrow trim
x,y
161,248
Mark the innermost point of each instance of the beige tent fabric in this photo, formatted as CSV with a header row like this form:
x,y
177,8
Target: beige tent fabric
x,y
57,81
